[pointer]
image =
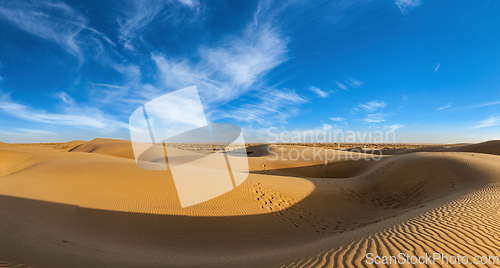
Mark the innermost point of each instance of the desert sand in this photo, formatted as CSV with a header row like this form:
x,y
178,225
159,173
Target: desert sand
x,y
87,204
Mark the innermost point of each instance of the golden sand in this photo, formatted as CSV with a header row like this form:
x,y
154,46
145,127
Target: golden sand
x,y
87,204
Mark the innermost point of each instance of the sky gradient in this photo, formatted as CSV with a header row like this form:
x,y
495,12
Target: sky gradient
x,y
429,70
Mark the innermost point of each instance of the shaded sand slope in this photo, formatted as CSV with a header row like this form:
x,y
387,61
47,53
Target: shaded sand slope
x,y
81,209
467,226
118,148
302,161
488,147
69,145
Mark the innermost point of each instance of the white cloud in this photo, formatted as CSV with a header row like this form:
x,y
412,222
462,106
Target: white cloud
x,y
444,107
353,83
245,59
372,111
349,83
354,111
141,14
319,92
64,97
341,86
394,127
437,67
480,105
55,22
375,118
337,119
372,106
190,3
30,135
223,72
275,105
37,132
81,117
226,72
490,122
404,5
110,86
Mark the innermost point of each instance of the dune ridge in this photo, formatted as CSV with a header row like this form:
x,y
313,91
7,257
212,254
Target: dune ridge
x,y
90,205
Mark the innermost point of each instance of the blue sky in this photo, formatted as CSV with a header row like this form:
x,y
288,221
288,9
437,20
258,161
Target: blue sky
x,y
429,70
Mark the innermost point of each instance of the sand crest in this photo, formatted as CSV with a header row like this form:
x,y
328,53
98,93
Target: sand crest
x,y
87,204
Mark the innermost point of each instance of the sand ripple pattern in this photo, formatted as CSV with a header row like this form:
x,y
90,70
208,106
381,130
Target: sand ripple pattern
x,y
469,226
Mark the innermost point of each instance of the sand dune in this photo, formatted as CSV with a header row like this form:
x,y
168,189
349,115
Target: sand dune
x,y
69,145
488,147
89,205
118,148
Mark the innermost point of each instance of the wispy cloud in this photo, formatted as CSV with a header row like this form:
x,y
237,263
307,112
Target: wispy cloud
x,y
110,86
372,106
81,117
349,83
353,83
404,5
56,22
141,14
319,92
64,97
375,118
223,71
338,119
341,86
479,105
37,132
437,67
275,105
30,135
228,71
394,127
490,122
444,107
190,3
226,68
373,111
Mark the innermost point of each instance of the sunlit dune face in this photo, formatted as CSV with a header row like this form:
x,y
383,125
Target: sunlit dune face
x,y
290,209
96,181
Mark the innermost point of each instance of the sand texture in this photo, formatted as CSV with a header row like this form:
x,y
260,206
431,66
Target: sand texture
x,y
88,204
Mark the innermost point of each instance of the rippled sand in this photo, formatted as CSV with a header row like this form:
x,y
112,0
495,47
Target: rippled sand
x,y
87,204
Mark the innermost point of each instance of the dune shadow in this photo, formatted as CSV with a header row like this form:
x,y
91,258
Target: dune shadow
x,y
48,234
341,169
71,234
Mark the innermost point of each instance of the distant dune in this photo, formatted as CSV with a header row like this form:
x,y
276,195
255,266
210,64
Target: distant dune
x,y
69,145
489,147
87,204
118,148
